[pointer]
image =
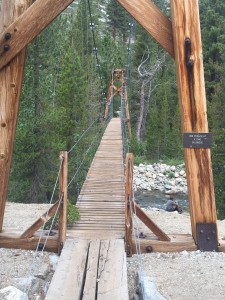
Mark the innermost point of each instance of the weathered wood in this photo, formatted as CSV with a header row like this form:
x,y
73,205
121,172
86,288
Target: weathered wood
x,y
127,113
63,191
40,221
9,241
150,224
68,279
112,271
10,89
26,27
128,201
102,198
177,243
90,285
153,20
185,19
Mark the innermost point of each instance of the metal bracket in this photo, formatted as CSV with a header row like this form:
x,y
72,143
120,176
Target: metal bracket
x,y
207,236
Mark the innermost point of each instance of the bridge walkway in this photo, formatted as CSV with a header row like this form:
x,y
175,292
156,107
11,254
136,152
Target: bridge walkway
x,y
92,264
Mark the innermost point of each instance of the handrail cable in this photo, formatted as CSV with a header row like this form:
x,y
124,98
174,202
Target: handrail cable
x,y
94,140
82,135
92,26
43,226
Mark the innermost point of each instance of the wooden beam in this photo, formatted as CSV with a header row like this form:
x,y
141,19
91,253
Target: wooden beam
x,y
150,224
10,89
128,201
177,243
149,16
40,221
63,190
191,86
8,241
26,27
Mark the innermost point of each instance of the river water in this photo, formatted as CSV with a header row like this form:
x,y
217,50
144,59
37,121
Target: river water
x,y
157,199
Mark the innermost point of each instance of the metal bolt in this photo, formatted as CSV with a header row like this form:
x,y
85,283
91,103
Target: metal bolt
x,y
149,249
213,232
208,238
8,36
6,47
201,231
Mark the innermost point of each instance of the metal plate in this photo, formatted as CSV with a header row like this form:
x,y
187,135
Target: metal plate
x,y
197,140
207,237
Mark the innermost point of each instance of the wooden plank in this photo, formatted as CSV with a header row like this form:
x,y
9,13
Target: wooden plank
x,y
26,27
177,243
40,221
112,285
68,278
191,86
153,20
10,89
89,291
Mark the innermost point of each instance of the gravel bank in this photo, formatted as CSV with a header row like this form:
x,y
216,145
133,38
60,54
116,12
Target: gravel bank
x,y
178,276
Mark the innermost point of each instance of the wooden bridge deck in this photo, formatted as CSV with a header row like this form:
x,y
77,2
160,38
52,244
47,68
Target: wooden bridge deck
x,y
92,264
102,198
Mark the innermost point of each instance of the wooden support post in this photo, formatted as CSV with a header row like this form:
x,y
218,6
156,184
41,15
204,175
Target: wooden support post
x,y
63,183
128,201
11,78
190,78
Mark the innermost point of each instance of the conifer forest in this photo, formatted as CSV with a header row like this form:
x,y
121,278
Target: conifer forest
x,y
67,75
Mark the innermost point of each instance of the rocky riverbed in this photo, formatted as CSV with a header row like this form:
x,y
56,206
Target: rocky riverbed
x,y
162,177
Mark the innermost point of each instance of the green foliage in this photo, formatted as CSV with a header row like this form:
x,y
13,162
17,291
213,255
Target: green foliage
x,y
73,215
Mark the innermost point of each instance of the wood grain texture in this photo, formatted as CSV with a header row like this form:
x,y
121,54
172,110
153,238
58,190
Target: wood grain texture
x,y
26,27
185,21
68,278
102,198
177,243
9,240
112,271
148,15
89,291
10,89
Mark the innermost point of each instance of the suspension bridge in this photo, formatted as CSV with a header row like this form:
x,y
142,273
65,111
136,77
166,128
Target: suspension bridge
x,y
92,264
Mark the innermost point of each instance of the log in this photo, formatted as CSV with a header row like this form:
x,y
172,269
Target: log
x,y
191,86
10,89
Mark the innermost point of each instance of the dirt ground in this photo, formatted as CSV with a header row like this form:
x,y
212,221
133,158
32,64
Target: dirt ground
x,y
177,276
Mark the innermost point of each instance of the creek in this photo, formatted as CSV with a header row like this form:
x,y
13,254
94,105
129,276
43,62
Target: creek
x,y
157,199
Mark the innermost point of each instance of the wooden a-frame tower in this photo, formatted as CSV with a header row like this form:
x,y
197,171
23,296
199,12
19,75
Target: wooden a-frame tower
x,y
21,21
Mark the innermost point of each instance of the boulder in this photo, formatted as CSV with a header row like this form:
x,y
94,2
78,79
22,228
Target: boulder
x,y
12,293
